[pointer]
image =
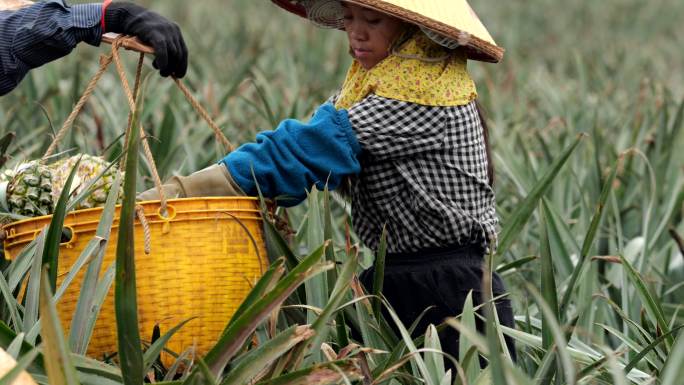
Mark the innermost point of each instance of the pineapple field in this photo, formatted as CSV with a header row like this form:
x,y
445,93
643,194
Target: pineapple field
x,y
586,120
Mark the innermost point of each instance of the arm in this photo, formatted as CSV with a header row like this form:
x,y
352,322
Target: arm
x,y
391,129
42,32
297,155
46,31
286,162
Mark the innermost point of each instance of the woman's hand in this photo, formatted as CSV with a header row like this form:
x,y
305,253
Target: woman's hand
x,y
212,181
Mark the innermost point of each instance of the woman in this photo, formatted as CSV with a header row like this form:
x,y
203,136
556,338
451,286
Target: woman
x,y
405,129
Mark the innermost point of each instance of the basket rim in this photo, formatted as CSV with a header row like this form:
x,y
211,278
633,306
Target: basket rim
x,y
144,203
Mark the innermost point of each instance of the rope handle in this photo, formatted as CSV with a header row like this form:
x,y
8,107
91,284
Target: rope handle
x,y
133,43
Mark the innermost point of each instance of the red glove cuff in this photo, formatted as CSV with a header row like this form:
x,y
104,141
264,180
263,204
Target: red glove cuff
x,y
105,4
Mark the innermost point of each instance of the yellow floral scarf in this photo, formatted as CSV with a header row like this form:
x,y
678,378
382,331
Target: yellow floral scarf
x,y
413,74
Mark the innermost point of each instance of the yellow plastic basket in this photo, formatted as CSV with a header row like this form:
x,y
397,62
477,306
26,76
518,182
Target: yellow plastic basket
x,y
205,257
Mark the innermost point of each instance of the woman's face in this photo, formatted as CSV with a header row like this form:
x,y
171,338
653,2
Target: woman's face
x,y
370,33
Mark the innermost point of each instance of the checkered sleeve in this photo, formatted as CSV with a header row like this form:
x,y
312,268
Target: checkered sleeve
x,y
392,129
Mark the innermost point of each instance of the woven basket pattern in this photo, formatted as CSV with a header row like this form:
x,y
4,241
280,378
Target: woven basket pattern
x,y
202,264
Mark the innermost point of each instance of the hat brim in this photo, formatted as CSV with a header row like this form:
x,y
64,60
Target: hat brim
x,y
476,48
291,7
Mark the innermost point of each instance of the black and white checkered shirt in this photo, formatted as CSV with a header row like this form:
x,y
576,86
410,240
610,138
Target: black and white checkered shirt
x,y
423,175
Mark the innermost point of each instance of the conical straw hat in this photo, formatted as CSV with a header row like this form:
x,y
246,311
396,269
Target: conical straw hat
x,y
449,22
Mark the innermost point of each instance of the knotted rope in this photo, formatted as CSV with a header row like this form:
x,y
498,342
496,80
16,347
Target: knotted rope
x,y
147,233
104,63
131,96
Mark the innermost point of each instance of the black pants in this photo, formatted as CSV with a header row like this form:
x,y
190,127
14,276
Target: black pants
x,y
441,278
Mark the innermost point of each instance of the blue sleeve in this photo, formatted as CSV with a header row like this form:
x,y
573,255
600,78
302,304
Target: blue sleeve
x,y
296,155
43,32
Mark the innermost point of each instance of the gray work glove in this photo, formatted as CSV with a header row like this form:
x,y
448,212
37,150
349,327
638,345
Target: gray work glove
x,y
210,182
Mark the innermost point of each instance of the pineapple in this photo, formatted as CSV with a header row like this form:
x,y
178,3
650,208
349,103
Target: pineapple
x,y
33,188
27,190
89,167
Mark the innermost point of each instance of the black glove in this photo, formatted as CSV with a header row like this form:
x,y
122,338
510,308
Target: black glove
x,y
171,54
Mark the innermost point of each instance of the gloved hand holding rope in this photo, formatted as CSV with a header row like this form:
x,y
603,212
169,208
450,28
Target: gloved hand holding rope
x,y
33,34
171,54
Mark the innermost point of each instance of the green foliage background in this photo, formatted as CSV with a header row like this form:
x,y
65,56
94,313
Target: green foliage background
x,y
612,69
